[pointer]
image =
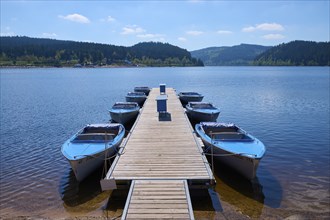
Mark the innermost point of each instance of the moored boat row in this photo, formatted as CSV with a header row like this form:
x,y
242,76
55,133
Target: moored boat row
x,y
226,142
186,97
144,89
202,111
88,149
233,146
138,97
124,112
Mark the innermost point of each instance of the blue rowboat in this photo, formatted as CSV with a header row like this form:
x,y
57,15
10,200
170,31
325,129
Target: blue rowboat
x,y
144,89
138,97
124,112
91,146
202,111
233,146
186,97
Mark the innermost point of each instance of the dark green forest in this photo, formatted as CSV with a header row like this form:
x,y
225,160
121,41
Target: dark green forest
x,y
296,53
26,51
239,55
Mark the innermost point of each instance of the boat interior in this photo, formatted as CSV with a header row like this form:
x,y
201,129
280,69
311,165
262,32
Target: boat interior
x,y
136,94
94,137
144,89
97,134
226,134
190,93
125,105
202,105
105,129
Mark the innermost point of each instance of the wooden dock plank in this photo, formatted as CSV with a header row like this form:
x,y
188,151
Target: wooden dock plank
x,y
158,205
165,143
158,157
172,202
157,216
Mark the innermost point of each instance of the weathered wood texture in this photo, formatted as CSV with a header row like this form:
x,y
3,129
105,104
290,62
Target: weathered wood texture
x,y
158,199
159,157
162,148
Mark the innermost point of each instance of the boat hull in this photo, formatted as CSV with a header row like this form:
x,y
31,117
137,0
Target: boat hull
x,y
245,166
87,165
185,99
143,89
139,100
88,149
123,117
232,146
199,116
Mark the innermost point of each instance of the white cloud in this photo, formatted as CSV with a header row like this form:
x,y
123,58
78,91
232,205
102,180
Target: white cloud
x,y
273,36
149,35
224,32
153,37
270,27
75,18
194,33
249,29
132,29
182,39
264,27
110,19
7,32
49,35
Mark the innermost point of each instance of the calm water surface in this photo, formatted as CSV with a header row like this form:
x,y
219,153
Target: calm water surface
x,y
285,107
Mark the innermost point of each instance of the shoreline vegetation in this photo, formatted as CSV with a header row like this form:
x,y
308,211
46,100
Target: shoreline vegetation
x,y
295,53
26,52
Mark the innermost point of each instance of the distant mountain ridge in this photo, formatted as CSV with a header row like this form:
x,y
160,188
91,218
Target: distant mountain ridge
x,y
240,55
26,51
294,53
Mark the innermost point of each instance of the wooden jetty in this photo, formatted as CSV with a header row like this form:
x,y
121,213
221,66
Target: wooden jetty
x,y
158,199
160,158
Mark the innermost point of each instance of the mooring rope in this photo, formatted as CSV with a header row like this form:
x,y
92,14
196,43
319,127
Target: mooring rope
x,y
105,165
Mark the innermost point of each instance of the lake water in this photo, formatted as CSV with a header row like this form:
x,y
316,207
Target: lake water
x,y
285,107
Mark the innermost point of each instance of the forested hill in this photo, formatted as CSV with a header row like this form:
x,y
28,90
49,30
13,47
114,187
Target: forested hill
x,y
296,53
25,51
239,55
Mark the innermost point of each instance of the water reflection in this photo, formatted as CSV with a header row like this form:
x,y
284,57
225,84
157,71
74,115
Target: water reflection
x,y
245,195
88,194
116,203
74,193
272,190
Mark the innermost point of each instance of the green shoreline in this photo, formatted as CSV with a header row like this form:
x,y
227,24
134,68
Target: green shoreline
x,y
140,66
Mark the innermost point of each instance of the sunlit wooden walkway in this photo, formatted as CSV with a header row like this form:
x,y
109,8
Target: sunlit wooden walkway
x,y
158,199
161,149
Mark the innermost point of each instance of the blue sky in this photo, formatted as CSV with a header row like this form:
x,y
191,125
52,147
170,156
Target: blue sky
x,y
190,24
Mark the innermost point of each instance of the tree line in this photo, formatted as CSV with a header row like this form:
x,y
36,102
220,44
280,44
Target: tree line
x,y
26,51
296,53
239,55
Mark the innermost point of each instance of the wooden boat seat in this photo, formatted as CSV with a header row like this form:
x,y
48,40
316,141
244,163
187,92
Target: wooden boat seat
x,y
220,130
228,136
95,137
